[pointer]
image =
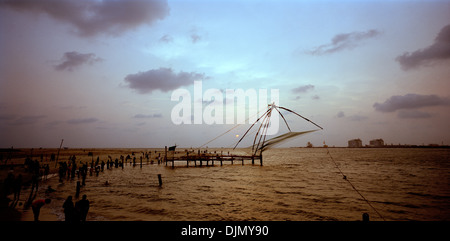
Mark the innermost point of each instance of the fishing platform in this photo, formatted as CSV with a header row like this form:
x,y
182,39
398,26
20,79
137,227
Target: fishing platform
x,y
259,143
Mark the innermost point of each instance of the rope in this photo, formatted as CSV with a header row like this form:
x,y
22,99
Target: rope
x,y
354,188
237,125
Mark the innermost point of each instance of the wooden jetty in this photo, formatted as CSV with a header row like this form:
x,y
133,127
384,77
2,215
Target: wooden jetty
x,y
208,159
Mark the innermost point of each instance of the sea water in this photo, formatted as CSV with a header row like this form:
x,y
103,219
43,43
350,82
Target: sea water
x,y
305,184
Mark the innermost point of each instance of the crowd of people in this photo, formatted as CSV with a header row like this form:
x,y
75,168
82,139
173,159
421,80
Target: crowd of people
x,y
74,212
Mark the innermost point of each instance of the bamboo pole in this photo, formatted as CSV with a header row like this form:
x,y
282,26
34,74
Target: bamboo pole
x,y
57,156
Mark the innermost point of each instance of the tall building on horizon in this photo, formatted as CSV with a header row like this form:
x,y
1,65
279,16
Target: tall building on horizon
x,y
355,143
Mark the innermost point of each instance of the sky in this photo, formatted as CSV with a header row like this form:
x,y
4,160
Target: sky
x,y
102,73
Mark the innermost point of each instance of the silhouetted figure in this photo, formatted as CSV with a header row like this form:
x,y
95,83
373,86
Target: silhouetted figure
x,y
82,208
34,187
8,184
49,190
46,171
17,187
365,217
69,209
37,205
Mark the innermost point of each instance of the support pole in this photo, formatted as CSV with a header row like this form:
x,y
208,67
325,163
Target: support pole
x,y
57,155
260,158
160,180
165,155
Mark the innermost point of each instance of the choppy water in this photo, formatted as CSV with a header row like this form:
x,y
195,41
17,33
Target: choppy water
x,y
293,184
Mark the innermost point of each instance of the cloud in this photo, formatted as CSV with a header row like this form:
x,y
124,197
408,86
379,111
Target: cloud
x,y
358,118
71,60
303,89
413,114
142,116
82,121
53,124
195,38
6,117
27,120
343,41
92,17
340,114
166,39
410,101
438,51
164,79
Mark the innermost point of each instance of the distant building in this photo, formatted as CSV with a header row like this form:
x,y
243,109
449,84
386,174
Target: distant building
x,y
355,143
377,143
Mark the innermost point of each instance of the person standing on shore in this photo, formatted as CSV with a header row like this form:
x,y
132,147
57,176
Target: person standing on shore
x,y
37,205
69,209
82,208
17,186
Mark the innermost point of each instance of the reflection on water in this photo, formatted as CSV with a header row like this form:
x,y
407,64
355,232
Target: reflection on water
x,y
293,184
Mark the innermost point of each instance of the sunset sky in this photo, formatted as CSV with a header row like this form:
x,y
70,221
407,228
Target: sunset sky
x,y
101,73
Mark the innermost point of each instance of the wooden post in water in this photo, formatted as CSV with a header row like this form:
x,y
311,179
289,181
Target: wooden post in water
x,y
160,180
187,159
260,158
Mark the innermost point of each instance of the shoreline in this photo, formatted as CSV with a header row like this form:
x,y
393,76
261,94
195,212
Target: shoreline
x,y
50,212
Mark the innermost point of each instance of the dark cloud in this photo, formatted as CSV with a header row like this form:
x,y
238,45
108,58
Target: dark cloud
x,y
410,101
71,60
164,79
413,114
91,17
82,121
142,116
344,41
303,89
438,51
